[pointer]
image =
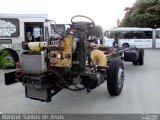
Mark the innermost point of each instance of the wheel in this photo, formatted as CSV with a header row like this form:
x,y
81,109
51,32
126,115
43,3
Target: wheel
x,y
135,63
131,56
8,60
141,56
115,76
125,45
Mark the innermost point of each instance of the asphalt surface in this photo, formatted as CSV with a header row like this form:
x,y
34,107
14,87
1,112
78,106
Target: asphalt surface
x,y
140,94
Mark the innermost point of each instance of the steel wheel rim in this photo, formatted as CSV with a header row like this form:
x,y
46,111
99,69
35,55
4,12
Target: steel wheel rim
x,y
120,77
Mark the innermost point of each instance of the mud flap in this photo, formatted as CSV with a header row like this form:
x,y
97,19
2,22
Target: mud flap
x,y
10,78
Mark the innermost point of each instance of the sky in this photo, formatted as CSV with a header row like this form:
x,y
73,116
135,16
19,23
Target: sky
x,y
103,12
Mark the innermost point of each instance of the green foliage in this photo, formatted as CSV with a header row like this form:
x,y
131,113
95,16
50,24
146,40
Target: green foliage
x,y
144,13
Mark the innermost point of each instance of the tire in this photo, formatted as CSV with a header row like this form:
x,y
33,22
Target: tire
x,y
9,60
135,63
125,45
115,76
141,56
131,56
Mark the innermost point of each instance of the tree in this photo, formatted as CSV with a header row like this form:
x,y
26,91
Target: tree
x,y
143,13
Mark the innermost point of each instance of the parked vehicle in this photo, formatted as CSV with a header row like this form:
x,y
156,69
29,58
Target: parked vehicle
x,y
68,61
139,37
18,28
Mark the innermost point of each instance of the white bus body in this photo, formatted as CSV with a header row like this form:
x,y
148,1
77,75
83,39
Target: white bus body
x,y
157,36
8,28
18,28
140,37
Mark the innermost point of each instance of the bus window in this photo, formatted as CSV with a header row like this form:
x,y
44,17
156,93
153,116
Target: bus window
x,y
46,34
126,35
34,31
9,27
137,35
148,34
38,34
158,34
37,31
106,33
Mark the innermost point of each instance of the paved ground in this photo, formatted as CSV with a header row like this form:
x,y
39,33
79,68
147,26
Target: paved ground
x,y
141,94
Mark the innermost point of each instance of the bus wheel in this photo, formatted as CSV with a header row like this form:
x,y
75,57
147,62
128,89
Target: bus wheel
x,y
8,60
125,45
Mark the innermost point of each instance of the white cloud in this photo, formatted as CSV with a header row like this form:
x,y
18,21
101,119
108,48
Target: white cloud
x,y
103,12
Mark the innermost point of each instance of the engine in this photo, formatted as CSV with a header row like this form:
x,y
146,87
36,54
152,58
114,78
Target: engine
x,y
60,52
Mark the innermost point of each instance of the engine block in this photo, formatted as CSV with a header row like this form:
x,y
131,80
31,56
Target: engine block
x,y
61,55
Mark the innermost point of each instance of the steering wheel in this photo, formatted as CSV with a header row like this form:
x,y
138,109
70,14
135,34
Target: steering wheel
x,y
84,24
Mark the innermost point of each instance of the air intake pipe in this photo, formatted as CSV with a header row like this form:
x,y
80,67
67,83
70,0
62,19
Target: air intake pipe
x,y
99,58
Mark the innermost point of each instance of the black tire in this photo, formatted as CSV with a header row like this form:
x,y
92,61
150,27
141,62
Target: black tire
x,y
115,70
141,56
125,45
10,61
135,63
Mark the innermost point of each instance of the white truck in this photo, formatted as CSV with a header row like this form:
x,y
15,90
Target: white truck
x,y
15,29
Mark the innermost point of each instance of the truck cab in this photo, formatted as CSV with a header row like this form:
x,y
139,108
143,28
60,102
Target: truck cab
x,y
18,28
